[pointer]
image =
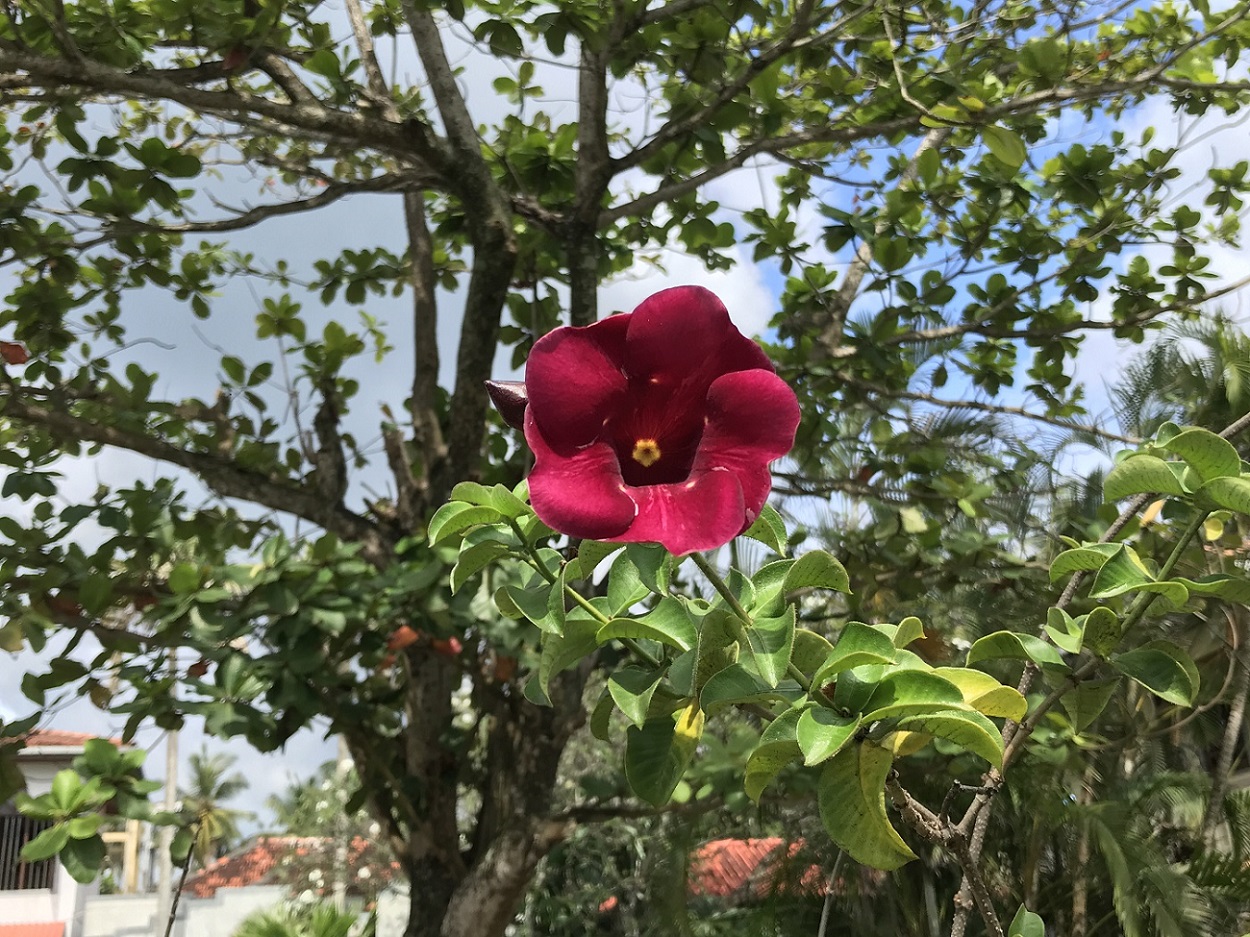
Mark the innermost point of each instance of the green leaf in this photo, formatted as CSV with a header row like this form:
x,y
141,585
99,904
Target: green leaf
x,y
769,582
181,845
47,844
1207,454
657,755
769,529
85,826
631,689
1009,644
1026,924
589,555
653,563
772,641
969,730
1230,493
1066,632
1087,700
1141,474
455,517
499,497
601,717
1163,668
858,644
985,694
562,651
184,578
734,684
1005,145
325,63
1085,558
909,629
1125,572
534,603
817,570
1229,588
903,692
668,623
778,747
810,651
625,586
66,790
473,559
765,763
1102,630
718,644
822,733
852,807
82,858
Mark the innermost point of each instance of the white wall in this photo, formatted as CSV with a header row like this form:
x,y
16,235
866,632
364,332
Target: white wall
x,y
132,915
31,905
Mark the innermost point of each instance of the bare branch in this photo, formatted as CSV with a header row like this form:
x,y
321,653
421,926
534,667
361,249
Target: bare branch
x,y
489,213
427,431
378,91
253,216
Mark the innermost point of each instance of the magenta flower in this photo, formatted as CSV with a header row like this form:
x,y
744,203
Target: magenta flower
x,y
657,425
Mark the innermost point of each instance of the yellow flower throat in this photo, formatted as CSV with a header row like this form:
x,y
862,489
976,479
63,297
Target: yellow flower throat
x,y
646,452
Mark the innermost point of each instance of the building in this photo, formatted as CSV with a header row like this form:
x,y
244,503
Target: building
x,y
39,899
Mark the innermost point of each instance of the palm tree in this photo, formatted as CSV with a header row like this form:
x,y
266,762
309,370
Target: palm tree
x,y
318,920
1197,373
215,826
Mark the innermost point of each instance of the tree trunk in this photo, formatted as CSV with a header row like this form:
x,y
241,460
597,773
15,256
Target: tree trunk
x,y
478,892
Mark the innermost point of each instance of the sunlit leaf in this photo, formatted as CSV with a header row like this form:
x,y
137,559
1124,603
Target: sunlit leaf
x,y
1141,474
852,807
1207,454
822,733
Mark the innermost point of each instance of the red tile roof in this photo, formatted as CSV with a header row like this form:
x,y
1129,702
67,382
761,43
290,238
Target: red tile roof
x,y
754,868
259,862
248,865
51,929
57,738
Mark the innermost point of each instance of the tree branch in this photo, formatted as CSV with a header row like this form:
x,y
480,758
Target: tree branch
x,y
356,128
378,91
219,473
489,213
427,430
390,182
831,335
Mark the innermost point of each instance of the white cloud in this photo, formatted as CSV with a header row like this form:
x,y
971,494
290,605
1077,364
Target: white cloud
x,y
741,288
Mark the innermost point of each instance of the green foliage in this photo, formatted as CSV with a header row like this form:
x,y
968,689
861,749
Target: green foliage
x,y
941,240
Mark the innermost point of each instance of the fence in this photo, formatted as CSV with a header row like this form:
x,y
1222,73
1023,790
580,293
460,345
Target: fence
x,y
15,873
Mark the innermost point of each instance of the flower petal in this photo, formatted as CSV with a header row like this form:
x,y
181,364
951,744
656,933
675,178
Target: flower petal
x,y
702,513
684,326
574,381
679,341
580,494
751,419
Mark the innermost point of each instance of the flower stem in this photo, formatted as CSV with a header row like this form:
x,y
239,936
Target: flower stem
x,y
633,646
744,617
1143,603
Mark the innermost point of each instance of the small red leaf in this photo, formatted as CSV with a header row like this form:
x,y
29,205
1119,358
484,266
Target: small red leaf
x,y
402,637
13,353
